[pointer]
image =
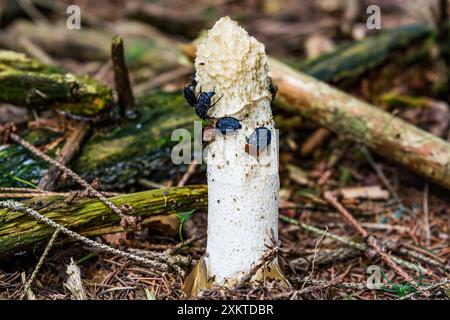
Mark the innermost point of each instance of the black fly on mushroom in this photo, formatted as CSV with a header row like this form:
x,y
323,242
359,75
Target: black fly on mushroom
x,y
259,140
201,102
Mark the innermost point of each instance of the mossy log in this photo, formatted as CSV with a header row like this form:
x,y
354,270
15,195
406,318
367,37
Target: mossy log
x,y
141,148
119,155
20,232
349,61
26,82
20,169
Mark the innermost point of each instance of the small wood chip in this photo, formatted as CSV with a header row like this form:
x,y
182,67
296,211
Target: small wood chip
x,y
73,283
369,192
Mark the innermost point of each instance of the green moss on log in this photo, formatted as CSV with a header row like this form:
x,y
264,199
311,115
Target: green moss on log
x,y
26,82
17,164
140,149
20,232
397,100
120,156
351,60
22,62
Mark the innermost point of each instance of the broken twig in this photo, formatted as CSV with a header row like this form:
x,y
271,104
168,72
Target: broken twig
x,y
371,240
68,151
121,76
27,284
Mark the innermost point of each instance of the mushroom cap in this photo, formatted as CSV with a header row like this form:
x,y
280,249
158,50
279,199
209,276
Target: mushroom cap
x,y
234,65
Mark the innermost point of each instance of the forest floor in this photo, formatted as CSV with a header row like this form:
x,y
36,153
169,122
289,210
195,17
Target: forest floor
x,y
409,215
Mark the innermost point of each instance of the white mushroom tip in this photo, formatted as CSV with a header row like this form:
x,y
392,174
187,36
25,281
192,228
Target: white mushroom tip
x,y
224,59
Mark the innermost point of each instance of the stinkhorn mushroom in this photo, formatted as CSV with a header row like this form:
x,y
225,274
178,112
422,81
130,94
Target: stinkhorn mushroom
x,y
242,160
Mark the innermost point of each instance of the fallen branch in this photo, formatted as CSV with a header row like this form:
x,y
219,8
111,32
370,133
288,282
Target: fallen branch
x,y
68,151
27,285
88,217
19,207
349,61
389,136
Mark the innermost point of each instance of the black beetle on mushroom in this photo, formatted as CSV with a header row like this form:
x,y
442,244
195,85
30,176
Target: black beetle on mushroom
x,y
201,102
258,141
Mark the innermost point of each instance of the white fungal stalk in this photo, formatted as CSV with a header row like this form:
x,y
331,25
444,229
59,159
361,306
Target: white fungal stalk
x,y
243,188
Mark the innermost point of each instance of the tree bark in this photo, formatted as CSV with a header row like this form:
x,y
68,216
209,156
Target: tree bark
x,y
20,232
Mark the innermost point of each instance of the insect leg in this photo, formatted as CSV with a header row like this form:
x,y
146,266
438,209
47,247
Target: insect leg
x,y
217,101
